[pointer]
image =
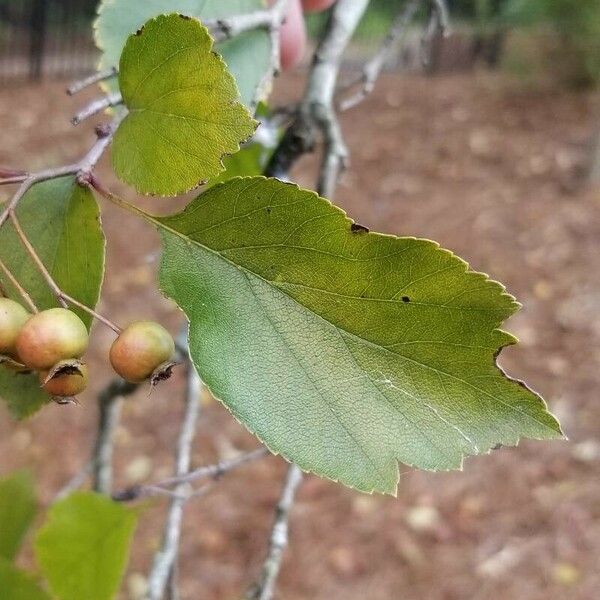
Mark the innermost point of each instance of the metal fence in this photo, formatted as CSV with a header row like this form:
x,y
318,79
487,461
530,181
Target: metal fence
x,y
53,38
41,38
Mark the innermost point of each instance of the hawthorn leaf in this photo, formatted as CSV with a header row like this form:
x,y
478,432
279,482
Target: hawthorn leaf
x,y
17,509
248,55
183,116
345,351
83,547
16,584
62,221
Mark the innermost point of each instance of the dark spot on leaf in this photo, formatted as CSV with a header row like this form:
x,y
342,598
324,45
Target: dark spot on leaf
x,y
186,17
357,228
268,209
140,30
405,299
497,446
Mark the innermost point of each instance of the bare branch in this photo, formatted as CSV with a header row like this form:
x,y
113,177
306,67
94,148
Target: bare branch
x,y
85,165
214,472
77,86
441,8
316,112
96,106
227,28
373,68
166,557
109,404
265,587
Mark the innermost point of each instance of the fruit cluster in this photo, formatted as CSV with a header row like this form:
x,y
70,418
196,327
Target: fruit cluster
x,y
53,341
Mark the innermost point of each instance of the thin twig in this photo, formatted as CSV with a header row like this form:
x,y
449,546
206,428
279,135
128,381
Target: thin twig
x,y
215,471
63,298
15,283
109,404
75,482
227,28
165,559
278,11
85,165
265,587
373,67
81,84
96,106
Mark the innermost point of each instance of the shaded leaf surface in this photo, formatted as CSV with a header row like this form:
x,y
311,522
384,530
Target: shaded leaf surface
x,y
344,351
17,509
62,221
183,110
16,584
83,547
247,56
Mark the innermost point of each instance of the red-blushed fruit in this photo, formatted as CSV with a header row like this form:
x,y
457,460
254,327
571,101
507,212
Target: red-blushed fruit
x,y
292,36
70,382
140,349
51,336
12,318
316,5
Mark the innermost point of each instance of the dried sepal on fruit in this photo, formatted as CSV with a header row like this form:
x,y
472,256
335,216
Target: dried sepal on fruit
x,y
140,349
65,379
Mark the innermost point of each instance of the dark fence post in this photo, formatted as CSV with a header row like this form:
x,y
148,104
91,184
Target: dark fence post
x,y
37,34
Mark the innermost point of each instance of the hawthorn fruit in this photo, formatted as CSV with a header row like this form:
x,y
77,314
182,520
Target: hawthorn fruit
x,y
51,336
12,318
140,349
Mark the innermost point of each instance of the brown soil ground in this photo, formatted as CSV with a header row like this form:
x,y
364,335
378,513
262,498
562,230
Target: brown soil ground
x,y
495,173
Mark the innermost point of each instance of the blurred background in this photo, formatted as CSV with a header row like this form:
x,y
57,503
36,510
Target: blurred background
x,y
487,141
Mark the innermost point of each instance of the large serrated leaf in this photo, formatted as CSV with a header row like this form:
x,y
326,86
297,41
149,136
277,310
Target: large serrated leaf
x,y
16,584
83,547
17,509
248,56
62,221
183,110
343,350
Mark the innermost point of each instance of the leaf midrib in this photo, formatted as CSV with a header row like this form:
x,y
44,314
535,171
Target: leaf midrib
x,y
160,224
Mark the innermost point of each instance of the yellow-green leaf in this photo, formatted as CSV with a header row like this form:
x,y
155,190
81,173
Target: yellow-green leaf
x,y
184,114
83,547
248,55
16,584
17,509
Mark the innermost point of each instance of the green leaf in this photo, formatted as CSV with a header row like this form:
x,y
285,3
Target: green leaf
x,y
22,393
62,221
248,56
343,350
83,547
17,509
250,160
19,585
183,113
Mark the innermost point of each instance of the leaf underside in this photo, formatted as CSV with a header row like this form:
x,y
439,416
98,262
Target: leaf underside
x,y
248,56
62,221
184,115
83,547
344,351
